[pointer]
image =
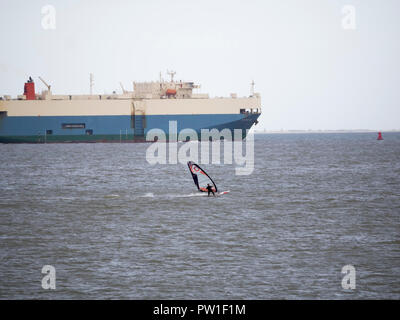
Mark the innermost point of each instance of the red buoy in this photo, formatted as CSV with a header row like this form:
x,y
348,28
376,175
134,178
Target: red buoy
x,y
380,136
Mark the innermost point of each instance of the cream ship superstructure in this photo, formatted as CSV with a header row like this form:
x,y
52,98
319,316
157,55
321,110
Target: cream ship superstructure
x,y
125,117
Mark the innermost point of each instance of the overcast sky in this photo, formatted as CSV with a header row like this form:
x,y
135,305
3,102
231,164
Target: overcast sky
x,y
311,72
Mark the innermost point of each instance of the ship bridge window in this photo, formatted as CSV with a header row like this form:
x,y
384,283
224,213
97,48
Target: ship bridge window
x,y
73,126
89,132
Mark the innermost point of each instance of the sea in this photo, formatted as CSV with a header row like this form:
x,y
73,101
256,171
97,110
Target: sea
x,y
317,218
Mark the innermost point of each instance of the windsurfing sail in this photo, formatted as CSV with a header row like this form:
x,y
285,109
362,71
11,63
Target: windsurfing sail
x,y
200,177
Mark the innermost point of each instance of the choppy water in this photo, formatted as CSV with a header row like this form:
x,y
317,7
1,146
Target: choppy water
x,y
114,226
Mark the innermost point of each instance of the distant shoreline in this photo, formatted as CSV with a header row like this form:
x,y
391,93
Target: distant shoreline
x,y
322,131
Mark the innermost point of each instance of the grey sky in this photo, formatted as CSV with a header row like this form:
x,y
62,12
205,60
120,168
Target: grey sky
x,y
310,72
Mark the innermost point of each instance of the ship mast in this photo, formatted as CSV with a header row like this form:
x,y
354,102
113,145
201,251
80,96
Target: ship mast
x,y
91,83
252,88
172,74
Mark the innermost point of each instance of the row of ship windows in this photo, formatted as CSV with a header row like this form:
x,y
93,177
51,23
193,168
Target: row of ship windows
x,y
250,110
3,114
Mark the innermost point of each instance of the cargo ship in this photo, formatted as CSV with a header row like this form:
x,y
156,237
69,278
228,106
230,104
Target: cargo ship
x,y
127,117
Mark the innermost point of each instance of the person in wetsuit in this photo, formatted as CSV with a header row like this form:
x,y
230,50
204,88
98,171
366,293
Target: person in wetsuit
x,y
210,190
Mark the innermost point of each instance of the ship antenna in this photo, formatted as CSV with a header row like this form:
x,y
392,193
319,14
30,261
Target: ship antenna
x,y
252,88
91,83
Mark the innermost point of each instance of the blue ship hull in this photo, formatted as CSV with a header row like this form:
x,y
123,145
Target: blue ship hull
x,y
43,129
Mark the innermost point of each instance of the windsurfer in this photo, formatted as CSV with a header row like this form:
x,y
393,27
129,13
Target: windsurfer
x,y
210,190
